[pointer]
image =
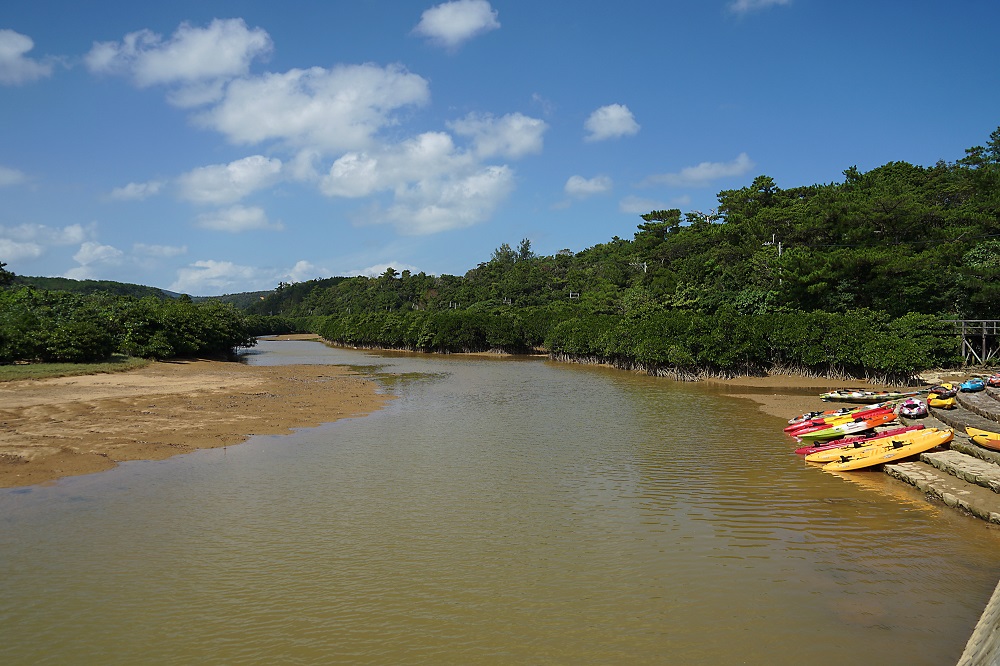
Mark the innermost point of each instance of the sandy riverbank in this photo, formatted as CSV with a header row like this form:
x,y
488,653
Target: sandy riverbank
x,y
53,428
787,396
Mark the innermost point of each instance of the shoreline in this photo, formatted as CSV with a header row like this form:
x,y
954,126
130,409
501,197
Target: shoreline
x,y
67,426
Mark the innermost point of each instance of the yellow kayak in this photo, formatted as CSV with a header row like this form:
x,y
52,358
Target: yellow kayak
x,y
831,455
984,438
942,396
925,440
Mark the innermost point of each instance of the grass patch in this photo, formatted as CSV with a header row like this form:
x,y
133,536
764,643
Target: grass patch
x,y
9,373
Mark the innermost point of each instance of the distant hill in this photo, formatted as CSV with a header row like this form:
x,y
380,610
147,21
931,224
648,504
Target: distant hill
x,y
91,286
241,300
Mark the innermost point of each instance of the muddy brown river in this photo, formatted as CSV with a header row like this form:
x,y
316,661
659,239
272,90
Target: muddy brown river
x,y
500,511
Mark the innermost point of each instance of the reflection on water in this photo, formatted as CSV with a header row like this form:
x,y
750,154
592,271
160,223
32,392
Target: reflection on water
x,y
501,510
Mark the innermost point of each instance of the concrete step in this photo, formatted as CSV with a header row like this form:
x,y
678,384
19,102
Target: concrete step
x,y
965,467
960,417
964,445
981,404
954,492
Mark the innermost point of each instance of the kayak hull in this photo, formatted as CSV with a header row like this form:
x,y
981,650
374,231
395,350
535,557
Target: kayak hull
x,y
924,441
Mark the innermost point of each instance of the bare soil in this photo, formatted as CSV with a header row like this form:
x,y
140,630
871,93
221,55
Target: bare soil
x,y
51,428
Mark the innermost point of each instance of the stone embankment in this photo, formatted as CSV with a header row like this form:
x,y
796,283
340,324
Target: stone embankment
x,y
965,477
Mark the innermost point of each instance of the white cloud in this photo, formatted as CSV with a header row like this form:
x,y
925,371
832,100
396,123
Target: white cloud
x,y
326,110
704,173
379,269
426,157
45,235
610,122
92,256
91,252
195,60
238,219
163,251
10,177
452,23
136,191
582,187
433,206
228,183
12,250
302,271
513,135
15,68
641,206
435,186
303,167
211,278
745,6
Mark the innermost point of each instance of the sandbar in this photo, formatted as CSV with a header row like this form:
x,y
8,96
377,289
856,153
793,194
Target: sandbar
x,y
53,428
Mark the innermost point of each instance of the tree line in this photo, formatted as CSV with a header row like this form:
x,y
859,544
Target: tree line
x,y
59,326
853,277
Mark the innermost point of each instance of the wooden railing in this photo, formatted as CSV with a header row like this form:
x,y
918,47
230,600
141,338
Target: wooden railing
x,y
980,339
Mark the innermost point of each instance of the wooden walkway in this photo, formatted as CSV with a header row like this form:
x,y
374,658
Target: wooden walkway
x,y
980,339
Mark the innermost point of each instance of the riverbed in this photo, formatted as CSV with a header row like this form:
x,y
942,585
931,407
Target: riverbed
x,y
500,510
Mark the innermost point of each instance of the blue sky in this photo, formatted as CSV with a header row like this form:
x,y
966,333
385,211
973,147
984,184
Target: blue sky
x,y
218,147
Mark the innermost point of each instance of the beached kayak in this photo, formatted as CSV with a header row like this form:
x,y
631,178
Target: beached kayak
x,y
830,455
852,428
984,438
898,449
820,424
862,395
855,441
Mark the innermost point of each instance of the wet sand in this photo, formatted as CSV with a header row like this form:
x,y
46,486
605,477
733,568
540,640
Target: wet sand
x,y
52,428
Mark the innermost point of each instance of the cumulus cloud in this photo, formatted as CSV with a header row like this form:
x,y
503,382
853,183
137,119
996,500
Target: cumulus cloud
x,y
704,173
435,185
196,61
136,191
434,206
428,156
451,24
331,110
379,269
578,186
513,135
9,176
745,6
93,256
160,251
46,235
15,67
12,250
94,253
610,122
228,183
302,271
211,278
238,219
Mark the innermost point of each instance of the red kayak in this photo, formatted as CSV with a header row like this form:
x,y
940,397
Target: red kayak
x,y
851,418
856,440
837,415
855,427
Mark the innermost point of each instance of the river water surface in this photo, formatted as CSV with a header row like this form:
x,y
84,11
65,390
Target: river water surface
x,y
499,511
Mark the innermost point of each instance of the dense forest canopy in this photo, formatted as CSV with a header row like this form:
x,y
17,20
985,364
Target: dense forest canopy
x,y
897,239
